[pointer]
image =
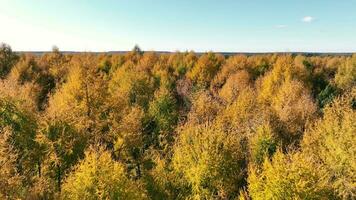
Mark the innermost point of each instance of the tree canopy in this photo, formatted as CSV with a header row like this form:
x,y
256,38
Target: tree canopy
x,y
183,125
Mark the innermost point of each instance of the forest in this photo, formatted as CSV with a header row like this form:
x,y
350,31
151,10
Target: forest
x,y
180,125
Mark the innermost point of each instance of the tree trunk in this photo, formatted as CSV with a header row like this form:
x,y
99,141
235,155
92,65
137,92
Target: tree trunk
x,y
59,177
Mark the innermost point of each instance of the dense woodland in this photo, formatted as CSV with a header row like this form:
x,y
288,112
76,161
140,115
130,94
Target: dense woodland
x,y
143,125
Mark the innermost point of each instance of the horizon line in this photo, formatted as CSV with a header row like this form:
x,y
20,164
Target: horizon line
x,y
198,52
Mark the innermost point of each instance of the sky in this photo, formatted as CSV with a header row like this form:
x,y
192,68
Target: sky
x,y
180,25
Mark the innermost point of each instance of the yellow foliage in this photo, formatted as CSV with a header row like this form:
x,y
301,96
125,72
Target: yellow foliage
x,y
210,161
128,133
346,74
331,141
147,62
204,108
10,179
322,169
234,84
232,111
100,177
230,67
293,107
205,69
289,177
243,114
283,71
131,87
80,100
23,95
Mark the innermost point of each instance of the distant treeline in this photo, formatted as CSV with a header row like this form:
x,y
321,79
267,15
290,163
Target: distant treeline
x,y
226,54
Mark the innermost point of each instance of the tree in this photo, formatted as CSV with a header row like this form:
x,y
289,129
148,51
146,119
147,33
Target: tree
x,y
259,65
181,62
204,108
234,84
80,101
326,96
161,181
23,96
288,177
243,115
7,60
330,141
129,140
23,131
205,69
345,77
210,161
283,71
99,177
27,70
131,86
11,182
62,146
146,125
321,169
294,107
56,64
134,55
164,115
262,145
232,65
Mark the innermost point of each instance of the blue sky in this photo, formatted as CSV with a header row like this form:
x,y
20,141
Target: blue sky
x,y
200,25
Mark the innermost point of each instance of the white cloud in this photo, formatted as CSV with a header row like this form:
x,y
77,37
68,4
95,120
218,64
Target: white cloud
x,y
308,19
281,26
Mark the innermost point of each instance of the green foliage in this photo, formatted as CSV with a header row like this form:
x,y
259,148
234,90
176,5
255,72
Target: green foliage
x,y
326,96
62,146
164,114
162,182
105,65
7,60
23,127
132,86
18,149
263,145
27,70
